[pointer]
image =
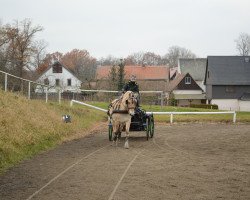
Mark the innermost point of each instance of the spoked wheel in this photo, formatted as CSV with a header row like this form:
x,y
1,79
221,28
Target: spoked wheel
x,y
148,128
110,132
152,126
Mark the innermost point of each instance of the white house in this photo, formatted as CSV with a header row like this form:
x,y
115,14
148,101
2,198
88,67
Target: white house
x,y
58,77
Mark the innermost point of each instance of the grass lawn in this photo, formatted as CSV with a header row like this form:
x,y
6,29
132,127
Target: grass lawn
x,y
28,127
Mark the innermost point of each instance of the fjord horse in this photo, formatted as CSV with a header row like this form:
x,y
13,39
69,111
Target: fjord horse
x,y
120,111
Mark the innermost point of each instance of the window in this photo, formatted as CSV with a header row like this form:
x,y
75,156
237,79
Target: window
x,y
207,74
230,89
57,82
247,59
187,80
46,81
69,82
57,68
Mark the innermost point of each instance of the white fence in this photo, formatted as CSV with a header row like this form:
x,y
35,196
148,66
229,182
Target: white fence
x,y
164,113
7,76
194,113
6,80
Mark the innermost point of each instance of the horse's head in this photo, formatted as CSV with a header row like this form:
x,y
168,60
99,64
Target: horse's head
x,y
130,101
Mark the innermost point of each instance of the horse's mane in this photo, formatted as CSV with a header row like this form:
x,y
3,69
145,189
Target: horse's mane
x,y
116,103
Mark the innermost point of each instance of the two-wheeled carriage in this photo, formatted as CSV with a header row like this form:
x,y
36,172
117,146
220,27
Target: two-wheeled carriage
x,y
140,121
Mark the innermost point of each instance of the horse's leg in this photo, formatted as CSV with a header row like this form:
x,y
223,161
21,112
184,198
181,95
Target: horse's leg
x,y
115,131
115,140
126,145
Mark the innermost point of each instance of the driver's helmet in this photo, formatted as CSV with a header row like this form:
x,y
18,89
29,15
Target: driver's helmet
x,y
133,78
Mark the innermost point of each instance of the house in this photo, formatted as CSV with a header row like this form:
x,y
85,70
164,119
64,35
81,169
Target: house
x,y
58,77
185,91
148,77
228,82
196,67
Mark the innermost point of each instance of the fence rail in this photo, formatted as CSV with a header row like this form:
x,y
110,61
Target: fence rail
x,y
193,113
29,88
164,113
141,92
7,77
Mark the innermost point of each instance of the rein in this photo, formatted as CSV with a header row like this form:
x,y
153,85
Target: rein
x,y
121,111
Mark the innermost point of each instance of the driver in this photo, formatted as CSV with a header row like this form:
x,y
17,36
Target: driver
x,y
132,86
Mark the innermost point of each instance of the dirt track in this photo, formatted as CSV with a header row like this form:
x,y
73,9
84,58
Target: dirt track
x,y
192,161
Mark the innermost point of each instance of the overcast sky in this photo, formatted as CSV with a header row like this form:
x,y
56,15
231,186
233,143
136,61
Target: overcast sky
x,y
122,27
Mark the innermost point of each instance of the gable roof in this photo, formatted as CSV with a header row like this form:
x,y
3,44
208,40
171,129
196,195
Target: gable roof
x,y
178,83
55,63
228,70
173,84
196,67
141,73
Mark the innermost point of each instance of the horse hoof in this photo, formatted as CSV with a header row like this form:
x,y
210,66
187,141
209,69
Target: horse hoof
x,y
126,146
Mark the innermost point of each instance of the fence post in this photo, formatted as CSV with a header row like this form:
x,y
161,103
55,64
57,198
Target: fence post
x,y
46,92
6,83
71,103
162,96
59,96
234,117
171,118
29,91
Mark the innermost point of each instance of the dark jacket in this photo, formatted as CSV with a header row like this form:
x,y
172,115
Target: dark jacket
x,y
131,86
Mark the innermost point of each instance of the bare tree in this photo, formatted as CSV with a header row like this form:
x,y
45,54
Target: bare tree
x,y
176,52
144,59
243,44
135,59
109,60
17,42
39,53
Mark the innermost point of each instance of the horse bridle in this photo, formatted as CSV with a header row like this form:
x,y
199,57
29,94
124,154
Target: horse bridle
x,y
133,100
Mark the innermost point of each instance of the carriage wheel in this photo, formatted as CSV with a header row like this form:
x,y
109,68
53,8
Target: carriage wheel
x,y
152,127
110,132
148,128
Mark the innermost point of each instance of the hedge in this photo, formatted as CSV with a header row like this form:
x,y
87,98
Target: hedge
x,y
206,106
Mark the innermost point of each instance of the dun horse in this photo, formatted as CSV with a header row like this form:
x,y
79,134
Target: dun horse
x,y
121,110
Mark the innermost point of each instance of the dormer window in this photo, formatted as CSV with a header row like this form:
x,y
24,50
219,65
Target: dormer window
x,y
57,68
187,80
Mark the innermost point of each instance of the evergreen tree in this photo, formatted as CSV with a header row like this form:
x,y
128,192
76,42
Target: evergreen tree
x,y
113,78
121,75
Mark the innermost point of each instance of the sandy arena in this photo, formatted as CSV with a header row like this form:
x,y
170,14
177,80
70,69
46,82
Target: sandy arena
x,y
183,161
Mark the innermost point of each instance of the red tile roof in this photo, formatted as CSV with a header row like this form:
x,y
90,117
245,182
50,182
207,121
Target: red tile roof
x,y
142,73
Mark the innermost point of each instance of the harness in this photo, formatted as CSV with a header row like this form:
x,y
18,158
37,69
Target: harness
x,y
116,106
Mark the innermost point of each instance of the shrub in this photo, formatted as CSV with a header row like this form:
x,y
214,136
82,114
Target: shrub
x,y
206,106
